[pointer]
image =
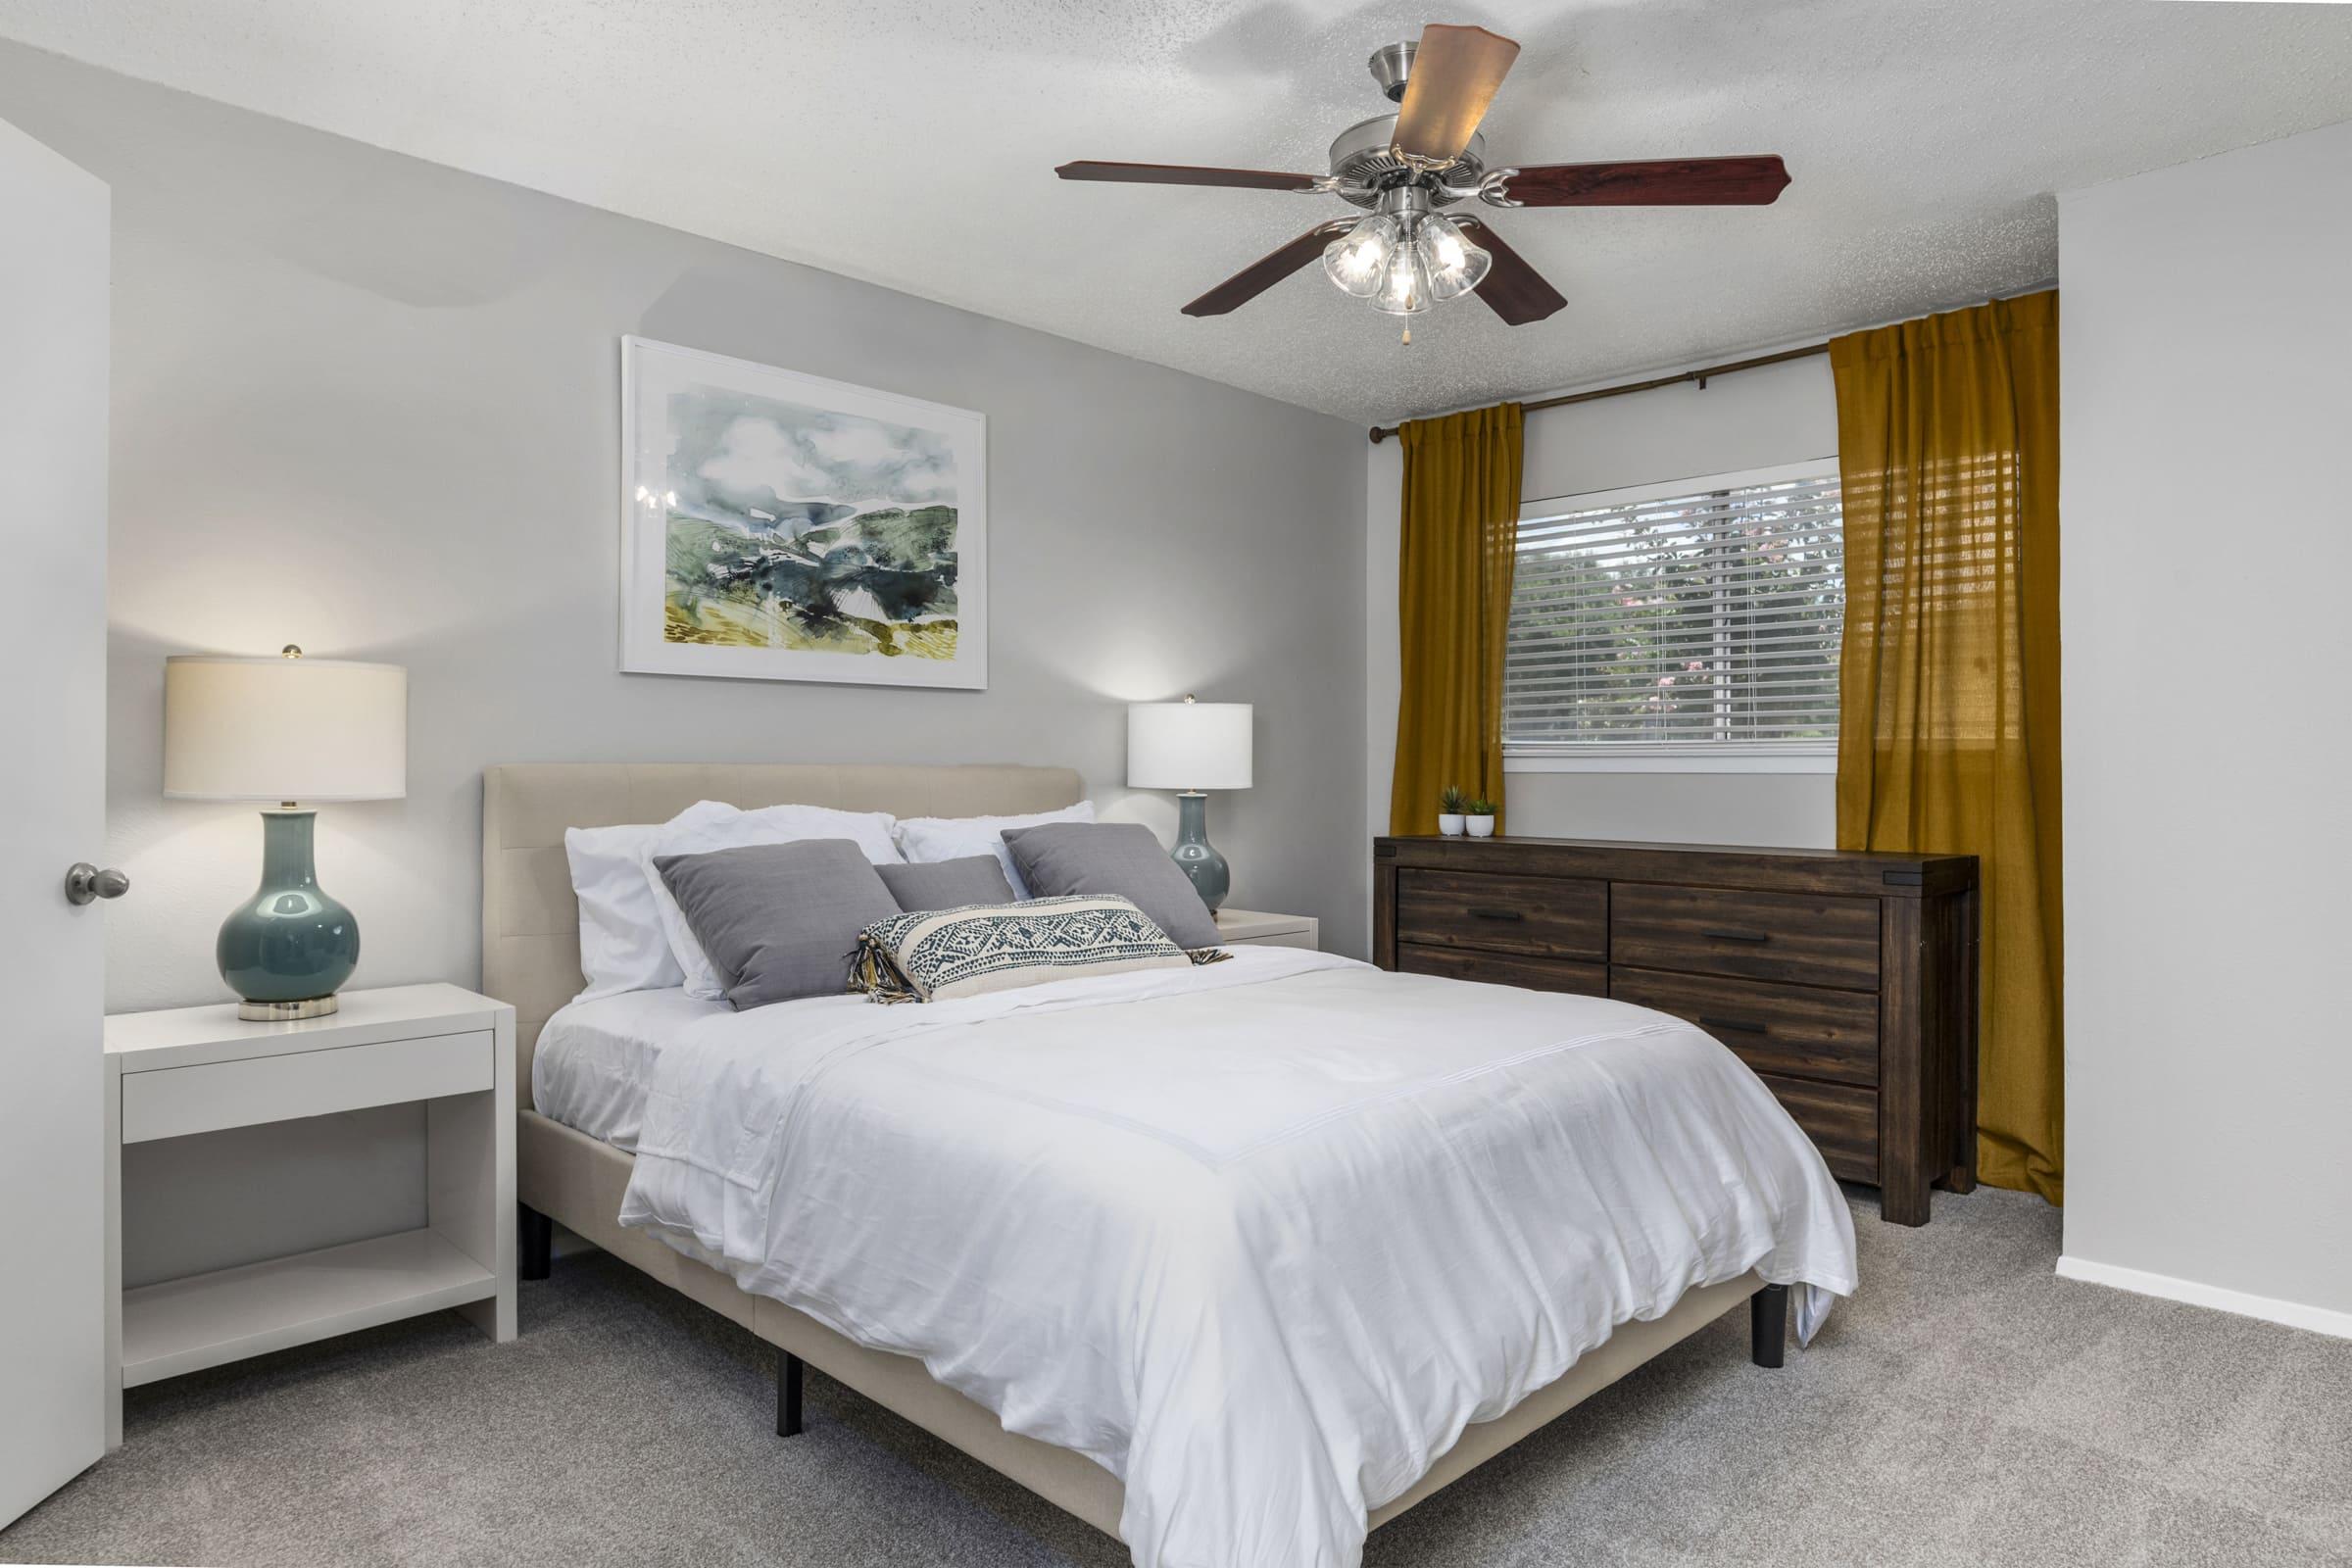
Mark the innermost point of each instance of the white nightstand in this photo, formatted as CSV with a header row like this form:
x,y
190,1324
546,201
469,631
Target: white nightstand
x,y
1255,928
202,1070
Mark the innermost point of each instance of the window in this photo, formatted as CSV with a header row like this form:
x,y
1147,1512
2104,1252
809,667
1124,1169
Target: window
x,y
1690,624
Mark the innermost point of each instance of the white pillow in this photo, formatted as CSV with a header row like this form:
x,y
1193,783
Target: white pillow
x,y
770,824
952,838
622,946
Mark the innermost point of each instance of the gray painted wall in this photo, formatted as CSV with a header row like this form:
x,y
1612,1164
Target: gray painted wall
x,y
371,405
2202,409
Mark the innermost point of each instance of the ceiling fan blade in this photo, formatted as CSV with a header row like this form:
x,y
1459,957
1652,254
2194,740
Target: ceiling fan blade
x,y
1512,289
1268,269
1187,174
1749,181
1455,74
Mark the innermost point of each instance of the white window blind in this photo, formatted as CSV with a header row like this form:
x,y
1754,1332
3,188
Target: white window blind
x,y
1700,617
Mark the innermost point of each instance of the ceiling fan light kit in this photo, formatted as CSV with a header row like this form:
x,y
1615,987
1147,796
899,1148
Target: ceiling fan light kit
x,y
1407,255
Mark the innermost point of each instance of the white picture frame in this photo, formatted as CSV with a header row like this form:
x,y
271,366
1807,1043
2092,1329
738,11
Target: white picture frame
x,y
818,504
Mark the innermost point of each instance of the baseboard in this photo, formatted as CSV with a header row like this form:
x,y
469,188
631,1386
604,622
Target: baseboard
x,y
2139,1282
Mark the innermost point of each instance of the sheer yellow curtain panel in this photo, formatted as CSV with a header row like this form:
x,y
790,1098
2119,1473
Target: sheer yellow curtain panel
x,y
1947,433
1459,525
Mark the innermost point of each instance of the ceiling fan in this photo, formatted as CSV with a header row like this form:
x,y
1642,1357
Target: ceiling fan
x,y
1405,168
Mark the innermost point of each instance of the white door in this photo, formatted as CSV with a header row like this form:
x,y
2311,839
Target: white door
x,y
53,413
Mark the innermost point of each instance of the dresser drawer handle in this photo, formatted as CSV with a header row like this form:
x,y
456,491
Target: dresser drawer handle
x,y
1736,936
1737,1025
1498,915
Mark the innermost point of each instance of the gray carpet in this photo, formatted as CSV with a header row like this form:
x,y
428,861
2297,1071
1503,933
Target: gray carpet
x,y
1966,1407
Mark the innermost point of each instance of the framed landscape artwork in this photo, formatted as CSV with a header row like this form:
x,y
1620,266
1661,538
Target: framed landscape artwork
x,y
778,527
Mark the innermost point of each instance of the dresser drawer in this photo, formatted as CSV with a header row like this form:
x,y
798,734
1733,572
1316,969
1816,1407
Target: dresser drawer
x,y
173,1102
1505,969
1565,917
1843,1122
1831,1035
1798,937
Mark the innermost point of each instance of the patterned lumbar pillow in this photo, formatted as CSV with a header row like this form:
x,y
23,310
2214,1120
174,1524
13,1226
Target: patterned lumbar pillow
x,y
968,951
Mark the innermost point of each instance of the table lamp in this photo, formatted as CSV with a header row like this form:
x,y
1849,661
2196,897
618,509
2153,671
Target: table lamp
x,y
291,730
1190,747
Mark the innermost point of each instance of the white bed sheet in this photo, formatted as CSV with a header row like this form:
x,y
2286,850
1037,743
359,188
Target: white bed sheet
x,y
593,1059
1261,1238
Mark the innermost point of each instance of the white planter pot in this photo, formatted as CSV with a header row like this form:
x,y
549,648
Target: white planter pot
x,y
1450,823
1480,827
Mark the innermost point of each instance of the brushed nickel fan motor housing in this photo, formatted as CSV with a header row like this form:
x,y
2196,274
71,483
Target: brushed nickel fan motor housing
x,y
1364,166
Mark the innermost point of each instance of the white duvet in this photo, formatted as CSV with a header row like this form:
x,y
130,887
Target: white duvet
x,y
1261,1238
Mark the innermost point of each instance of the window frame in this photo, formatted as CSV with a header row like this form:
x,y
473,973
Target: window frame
x,y
1689,757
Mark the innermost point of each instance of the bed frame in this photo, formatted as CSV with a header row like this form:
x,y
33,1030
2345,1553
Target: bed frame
x,y
531,958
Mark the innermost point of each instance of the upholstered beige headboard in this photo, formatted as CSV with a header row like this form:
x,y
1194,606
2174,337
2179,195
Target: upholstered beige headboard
x,y
530,921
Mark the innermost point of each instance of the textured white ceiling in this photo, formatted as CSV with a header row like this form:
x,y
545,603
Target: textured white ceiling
x,y
913,145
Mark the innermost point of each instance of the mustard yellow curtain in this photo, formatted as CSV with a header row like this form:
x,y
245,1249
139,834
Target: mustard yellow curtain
x,y
1947,739
1459,523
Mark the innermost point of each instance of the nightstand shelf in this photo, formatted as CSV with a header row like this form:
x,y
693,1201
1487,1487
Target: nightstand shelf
x,y
194,1072
188,1324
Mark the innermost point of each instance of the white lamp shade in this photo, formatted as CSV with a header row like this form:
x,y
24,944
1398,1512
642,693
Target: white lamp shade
x,y
1188,745
284,729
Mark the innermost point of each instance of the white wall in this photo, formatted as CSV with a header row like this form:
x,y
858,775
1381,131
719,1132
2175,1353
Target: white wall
x,y
1753,420
2208,545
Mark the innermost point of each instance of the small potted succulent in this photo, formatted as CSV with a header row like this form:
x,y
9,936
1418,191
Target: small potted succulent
x,y
1478,817
1452,802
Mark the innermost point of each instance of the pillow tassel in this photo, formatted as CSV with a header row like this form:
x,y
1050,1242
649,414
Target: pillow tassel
x,y
873,971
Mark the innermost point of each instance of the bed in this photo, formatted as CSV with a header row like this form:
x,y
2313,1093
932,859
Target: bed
x,y
880,1082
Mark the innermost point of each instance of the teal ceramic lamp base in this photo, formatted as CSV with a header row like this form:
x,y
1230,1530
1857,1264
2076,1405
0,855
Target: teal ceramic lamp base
x,y
1211,878
291,947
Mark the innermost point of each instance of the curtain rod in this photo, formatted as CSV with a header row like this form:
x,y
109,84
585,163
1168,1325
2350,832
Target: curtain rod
x,y
1379,433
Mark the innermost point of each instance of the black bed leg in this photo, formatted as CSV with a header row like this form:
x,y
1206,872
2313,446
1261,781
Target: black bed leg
x,y
534,1242
1768,1325
788,1394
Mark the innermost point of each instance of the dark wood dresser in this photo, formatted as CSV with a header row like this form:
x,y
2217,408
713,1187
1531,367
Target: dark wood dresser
x,y
1848,981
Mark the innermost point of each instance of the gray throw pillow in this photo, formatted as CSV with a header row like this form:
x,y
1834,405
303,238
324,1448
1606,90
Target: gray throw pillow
x,y
778,920
1123,859
921,886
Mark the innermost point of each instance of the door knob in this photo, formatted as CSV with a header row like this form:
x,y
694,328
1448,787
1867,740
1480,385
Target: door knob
x,y
84,882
